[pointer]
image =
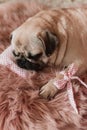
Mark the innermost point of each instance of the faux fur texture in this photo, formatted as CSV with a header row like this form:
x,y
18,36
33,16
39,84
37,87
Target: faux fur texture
x,y
21,107
13,14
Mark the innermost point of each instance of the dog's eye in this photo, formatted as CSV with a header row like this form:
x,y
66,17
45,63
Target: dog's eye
x,y
34,57
16,55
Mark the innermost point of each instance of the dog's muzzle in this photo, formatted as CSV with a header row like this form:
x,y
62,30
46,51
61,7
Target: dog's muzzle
x,y
26,64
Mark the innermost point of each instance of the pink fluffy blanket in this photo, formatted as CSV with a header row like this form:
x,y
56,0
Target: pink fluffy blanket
x,y
21,107
20,99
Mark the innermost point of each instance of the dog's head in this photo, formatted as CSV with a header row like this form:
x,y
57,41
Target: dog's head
x,y
33,46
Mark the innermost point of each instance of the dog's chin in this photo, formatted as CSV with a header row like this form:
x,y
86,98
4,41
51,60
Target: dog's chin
x,y
25,64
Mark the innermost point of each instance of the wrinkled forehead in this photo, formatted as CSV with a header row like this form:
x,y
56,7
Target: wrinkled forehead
x,y
29,40
28,30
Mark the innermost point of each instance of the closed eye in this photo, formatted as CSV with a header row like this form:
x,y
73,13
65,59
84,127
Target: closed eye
x,y
16,55
34,57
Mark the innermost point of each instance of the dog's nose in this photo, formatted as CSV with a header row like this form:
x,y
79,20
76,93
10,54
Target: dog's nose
x,y
21,62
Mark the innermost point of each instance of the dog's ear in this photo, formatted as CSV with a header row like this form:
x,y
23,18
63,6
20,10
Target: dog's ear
x,y
50,41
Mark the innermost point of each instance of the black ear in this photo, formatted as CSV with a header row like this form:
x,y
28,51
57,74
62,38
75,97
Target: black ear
x,y
50,41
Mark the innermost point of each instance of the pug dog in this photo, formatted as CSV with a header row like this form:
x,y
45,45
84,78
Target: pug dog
x,y
52,37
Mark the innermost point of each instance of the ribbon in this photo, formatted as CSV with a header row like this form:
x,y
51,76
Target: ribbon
x,y
66,81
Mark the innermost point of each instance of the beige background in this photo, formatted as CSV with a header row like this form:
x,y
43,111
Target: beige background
x,y
55,2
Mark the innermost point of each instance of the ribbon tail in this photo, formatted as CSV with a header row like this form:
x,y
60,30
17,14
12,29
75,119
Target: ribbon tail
x,y
75,77
71,96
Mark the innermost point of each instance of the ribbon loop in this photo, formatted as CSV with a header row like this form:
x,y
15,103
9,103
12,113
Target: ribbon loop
x,y
68,76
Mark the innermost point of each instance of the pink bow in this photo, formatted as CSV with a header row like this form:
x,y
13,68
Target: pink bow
x,y
66,82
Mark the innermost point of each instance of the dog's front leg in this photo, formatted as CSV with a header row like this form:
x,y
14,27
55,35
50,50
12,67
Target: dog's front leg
x,y
49,90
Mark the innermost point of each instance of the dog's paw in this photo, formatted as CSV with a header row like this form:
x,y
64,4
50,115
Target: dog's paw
x,y
48,91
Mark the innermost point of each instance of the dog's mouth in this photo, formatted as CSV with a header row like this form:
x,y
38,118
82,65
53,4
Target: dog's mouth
x,y
29,65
